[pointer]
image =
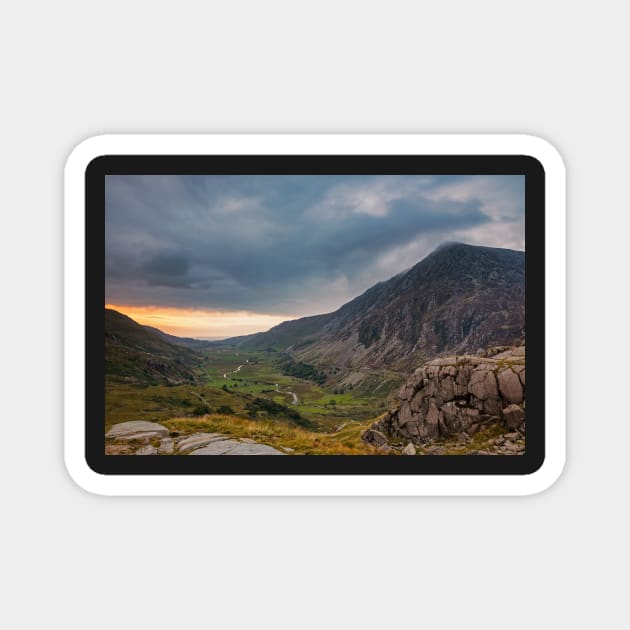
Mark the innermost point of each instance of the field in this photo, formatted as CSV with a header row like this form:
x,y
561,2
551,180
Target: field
x,y
262,394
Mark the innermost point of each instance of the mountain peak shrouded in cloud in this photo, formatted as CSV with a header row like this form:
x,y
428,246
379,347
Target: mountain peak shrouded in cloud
x,y
448,245
289,245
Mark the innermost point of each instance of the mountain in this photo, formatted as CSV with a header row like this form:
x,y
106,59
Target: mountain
x,y
134,353
456,300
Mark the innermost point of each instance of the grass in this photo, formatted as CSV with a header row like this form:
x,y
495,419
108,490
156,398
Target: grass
x,y
303,442
250,393
156,403
263,372
479,441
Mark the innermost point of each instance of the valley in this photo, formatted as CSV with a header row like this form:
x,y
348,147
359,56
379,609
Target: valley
x,y
338,383
251,391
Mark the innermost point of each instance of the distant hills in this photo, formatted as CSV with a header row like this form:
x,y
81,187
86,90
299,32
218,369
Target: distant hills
x,y
458,299
136,353
187,342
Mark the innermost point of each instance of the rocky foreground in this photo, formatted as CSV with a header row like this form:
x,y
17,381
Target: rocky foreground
x,y
150,438
449,400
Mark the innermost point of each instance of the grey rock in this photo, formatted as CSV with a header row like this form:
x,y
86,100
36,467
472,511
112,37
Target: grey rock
x,y
510,386
483,384
433,370
451,395
197,440
447,389
433,416
405,413
373,436
413,428
416,402
463,375
513,416
166,447
434,450
235,447
136,430
147,450
410,449
254,449
510,446
460,390
492,406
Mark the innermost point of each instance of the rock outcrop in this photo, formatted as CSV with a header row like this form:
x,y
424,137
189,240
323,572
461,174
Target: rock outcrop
x,y
457,395
150,438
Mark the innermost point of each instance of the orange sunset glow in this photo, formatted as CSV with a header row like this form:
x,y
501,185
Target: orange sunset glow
x,y
200,323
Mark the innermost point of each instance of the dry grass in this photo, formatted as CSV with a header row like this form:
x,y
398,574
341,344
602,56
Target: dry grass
x,y
303,442
480,441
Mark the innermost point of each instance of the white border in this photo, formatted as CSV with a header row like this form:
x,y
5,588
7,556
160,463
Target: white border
x,y
337,485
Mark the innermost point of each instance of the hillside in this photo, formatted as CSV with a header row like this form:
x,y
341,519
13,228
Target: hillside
x,y
186,342
458,299
136,354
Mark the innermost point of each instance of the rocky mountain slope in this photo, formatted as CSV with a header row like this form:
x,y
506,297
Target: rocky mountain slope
x,y
455,398
137,355
458,299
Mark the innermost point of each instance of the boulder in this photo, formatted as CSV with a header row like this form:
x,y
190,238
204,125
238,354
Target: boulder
x,y
410,449
483,384
492,406
510,386
136,430
375,437
147,450
447,389
513,415
197,440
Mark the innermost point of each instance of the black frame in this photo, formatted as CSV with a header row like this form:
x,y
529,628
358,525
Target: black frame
x,y
528,166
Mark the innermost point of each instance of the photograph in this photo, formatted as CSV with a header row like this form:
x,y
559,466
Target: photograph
x,y
314,315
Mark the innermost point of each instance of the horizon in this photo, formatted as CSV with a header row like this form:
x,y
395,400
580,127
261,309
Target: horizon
x,y
158,317
213,257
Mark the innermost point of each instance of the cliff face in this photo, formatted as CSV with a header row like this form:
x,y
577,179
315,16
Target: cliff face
x,y
457,395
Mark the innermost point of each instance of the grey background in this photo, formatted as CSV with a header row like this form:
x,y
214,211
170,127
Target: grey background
x,y
72,70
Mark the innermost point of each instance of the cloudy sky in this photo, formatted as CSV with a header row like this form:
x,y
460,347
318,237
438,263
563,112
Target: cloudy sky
x,y
214,256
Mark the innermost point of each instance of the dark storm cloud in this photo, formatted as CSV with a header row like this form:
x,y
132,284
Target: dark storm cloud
x,y
289,244
164,269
